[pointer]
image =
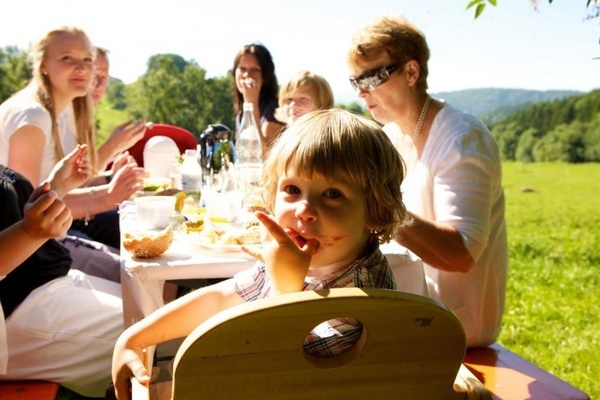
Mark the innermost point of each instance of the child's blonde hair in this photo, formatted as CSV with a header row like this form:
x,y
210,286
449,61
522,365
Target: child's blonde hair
x,y
340,146
318,87
82,106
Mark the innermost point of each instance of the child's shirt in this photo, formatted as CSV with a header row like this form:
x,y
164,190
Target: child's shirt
x,y
334,336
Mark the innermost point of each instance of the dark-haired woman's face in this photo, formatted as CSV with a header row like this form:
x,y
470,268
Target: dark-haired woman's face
x,y
248,69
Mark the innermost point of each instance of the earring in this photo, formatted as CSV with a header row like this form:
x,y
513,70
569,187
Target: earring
x,y
45,73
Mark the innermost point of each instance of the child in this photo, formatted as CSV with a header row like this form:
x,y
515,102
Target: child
x,y
303,93
332,183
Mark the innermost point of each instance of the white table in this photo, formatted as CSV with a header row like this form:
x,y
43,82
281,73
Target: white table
x,y
142,280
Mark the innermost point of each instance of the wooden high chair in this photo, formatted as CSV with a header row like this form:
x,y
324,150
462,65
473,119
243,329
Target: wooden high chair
x,y
411,347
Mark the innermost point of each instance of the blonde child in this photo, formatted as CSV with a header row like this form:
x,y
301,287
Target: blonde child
x,y
303,93
332,185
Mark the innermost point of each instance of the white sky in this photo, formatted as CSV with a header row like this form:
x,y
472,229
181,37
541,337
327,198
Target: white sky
x,y
509,46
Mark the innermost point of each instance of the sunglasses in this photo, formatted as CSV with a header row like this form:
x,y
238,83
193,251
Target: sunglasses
x,y
372,78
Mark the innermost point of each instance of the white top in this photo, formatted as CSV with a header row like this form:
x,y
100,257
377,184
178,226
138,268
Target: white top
x,y
458,181
67,129
18,111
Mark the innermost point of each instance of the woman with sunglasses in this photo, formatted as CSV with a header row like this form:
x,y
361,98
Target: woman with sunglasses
x,y
453,187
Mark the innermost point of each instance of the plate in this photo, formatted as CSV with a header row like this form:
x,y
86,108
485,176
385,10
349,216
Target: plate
x,y
233,250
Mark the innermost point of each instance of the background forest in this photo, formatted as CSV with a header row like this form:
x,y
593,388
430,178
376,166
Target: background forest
x,y
530,126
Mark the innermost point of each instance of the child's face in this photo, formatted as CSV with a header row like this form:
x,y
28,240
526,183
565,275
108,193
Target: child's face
x,y
298,103
332,213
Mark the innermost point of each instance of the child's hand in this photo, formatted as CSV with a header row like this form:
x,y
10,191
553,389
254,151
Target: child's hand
x,y
45,215
127,362
287,260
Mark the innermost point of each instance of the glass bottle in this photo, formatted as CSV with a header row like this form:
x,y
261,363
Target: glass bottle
x,y
248,147
191,175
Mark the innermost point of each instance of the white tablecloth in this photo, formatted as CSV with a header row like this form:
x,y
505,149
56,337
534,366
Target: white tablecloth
x,y
142,281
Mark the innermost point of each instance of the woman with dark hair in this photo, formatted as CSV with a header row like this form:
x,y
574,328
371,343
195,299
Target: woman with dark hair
x,y
255,82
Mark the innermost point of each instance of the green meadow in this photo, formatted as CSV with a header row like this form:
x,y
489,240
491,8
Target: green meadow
x,y
553,297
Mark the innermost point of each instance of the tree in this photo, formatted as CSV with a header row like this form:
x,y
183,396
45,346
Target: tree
x,y
15,71
115,94
176,91
480,4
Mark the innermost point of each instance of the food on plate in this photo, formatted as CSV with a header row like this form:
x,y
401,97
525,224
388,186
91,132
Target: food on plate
x,y
193,226
248,235
230,236
148,244
154,184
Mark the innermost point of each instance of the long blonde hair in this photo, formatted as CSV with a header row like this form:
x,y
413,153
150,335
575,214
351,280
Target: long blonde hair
x,y
82,106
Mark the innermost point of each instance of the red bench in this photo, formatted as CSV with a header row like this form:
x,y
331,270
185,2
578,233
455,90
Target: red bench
x,y
508,376
28,390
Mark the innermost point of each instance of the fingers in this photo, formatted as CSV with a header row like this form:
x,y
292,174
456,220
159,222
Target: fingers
x,y
250,83
38,191
252,252
276,231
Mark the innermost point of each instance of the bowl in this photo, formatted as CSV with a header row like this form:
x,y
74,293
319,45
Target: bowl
x,y
155,211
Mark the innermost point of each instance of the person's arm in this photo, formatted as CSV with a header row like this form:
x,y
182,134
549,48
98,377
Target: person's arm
x,y
45,217
122,138
26,151
464,173
89,201
438,245
174,320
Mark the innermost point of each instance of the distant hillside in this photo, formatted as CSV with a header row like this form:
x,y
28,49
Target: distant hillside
x,y
493,105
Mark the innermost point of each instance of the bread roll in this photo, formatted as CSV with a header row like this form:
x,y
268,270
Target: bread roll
x,y
148,244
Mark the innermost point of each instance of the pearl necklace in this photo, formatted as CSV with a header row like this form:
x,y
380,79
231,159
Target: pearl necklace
x,y
424,110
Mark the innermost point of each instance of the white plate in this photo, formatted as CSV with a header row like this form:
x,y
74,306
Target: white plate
x,y
232,250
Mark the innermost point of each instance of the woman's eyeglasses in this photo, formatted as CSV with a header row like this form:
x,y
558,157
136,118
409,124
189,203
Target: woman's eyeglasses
x,y
372,78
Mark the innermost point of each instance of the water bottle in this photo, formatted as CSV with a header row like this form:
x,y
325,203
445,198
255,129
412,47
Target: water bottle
x,y
191,175
248,147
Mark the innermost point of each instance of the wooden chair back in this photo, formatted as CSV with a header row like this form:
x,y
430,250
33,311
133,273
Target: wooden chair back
x,y
411,348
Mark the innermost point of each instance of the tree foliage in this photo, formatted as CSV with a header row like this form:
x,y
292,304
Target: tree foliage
x,y
15,71
177,92
479,5
563,130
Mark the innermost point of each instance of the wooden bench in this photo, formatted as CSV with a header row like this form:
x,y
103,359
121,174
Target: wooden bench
x,y
508,376
28,390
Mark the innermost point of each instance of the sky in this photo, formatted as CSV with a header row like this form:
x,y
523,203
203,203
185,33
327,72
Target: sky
x,y
509,46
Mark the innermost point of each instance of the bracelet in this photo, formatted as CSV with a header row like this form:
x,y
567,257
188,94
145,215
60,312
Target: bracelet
x,y
86,221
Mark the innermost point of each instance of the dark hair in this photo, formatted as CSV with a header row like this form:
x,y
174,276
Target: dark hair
x,y
269,88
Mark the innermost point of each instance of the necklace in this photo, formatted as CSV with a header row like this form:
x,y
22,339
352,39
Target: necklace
x,y
417,130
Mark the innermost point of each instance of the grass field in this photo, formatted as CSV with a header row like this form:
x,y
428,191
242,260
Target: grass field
x,y
553,301
553,296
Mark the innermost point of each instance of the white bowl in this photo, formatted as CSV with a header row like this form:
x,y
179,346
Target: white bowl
x,y
155,211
